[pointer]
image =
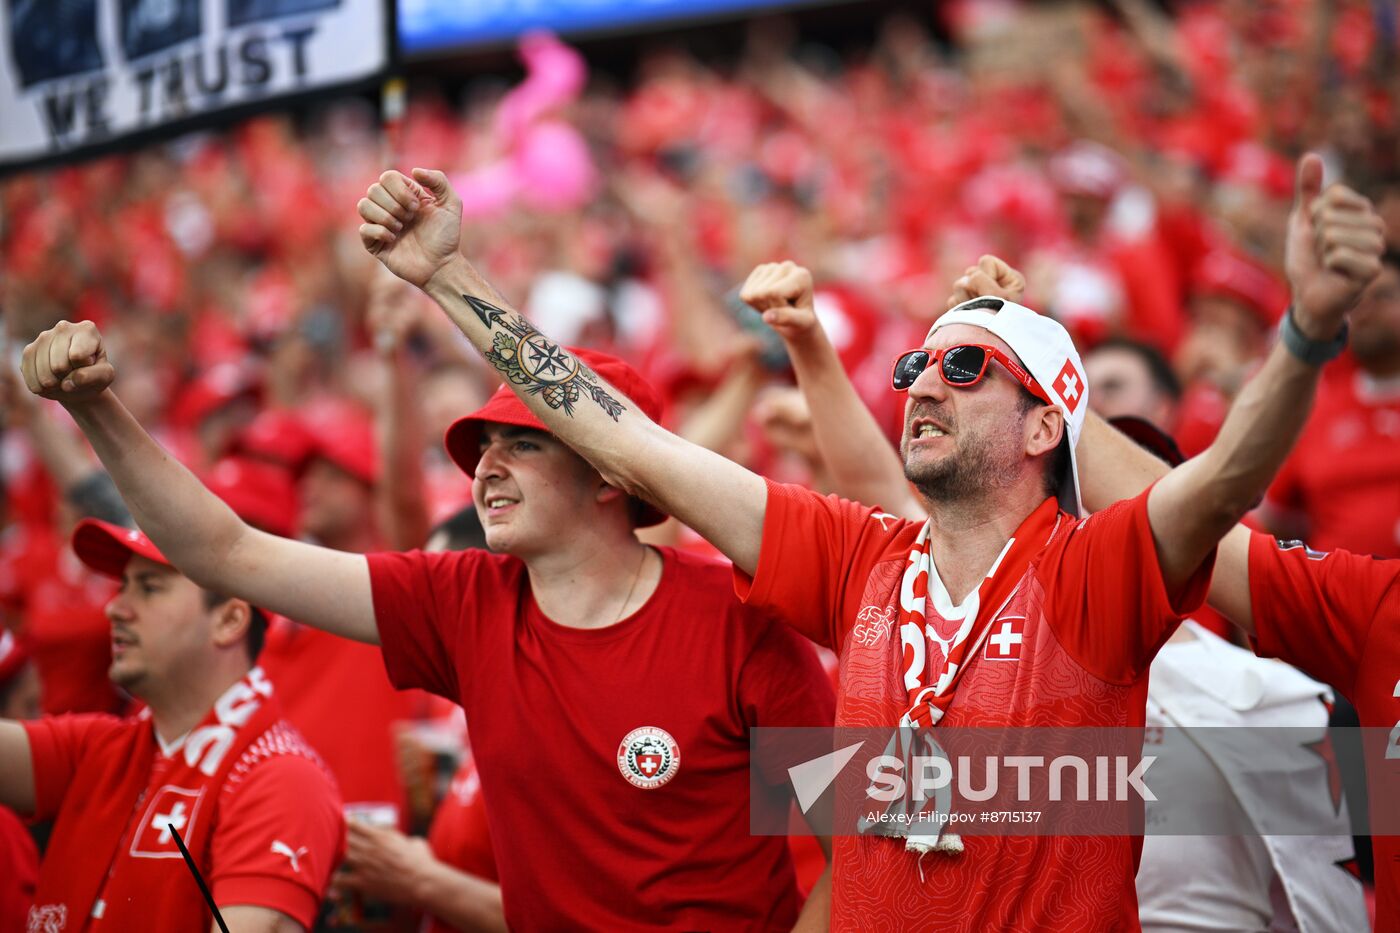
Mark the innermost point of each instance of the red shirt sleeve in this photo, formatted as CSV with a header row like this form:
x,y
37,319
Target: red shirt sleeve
x,y
57,745
280,835
1315,610
783,684
417,597
1110,606
813,547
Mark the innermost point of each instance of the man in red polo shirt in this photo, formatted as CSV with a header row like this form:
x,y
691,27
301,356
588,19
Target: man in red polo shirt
x,y
209,758
609,686
997,397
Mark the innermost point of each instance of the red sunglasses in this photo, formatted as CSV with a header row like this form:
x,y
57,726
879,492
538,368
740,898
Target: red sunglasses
x,y
961,367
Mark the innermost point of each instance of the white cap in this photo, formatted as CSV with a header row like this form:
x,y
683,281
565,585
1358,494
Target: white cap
x,y
1046,350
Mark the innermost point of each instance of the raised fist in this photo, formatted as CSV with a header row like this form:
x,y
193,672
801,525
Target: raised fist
x,y
67,362
992,277
782,291
412,225
1335,243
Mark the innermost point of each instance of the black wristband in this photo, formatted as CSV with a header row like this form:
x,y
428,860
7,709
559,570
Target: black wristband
x,y
1312,352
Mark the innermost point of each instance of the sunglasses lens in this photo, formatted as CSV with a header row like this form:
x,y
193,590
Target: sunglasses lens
x,y
963,365
908,367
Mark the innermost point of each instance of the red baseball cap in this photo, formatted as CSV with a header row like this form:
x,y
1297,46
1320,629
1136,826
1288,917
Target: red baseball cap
x,y
262,493
106,548
1230,274
344,435
463,439
278,436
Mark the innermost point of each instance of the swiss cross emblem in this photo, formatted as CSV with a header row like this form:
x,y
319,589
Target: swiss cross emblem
x,y
1004,642
1070,385
171,810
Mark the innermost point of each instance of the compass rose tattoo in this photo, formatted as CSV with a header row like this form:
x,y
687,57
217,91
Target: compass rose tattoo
x,y
529,359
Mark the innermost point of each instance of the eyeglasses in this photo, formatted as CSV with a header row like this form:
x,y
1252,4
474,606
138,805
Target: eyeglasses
x,y
961,367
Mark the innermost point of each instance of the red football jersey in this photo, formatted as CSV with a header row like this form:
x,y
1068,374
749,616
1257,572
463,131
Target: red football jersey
x,y
1071,647
614,762
278,830
1336,616
1342,478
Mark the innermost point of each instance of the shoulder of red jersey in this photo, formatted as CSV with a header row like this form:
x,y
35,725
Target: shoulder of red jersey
x,y
279,743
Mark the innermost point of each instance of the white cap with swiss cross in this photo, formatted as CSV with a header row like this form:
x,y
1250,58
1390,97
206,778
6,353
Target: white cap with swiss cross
x,y
1046,350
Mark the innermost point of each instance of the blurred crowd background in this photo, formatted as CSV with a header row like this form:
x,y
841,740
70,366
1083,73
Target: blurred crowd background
x,y
1134,159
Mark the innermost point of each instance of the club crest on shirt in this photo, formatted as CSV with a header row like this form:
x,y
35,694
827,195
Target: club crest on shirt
x,y
51,918
872,625
170,806
648,757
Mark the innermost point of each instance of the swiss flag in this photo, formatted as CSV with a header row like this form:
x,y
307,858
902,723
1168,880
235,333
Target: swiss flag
x,y
1069,384
170,806
649,764
1005,640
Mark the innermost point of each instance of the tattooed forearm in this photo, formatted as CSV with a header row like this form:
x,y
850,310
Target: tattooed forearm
x,y
528,359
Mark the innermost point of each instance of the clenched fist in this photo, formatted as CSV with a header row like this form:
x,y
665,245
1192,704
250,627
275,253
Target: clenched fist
x,y
782,291
68,363
992,277
412,225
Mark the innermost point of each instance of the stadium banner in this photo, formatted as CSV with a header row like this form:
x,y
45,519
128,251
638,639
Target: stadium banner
x,y
427,27
81,76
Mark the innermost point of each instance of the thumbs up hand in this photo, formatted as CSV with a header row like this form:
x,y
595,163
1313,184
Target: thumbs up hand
x,y
1334,248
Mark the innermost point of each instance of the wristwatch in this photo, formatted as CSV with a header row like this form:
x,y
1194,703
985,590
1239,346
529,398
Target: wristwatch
x,y
1312,352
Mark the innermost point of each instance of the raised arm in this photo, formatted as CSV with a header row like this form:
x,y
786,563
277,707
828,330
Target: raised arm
x,y
863,465
1335,241
1112,467
413,226
194,529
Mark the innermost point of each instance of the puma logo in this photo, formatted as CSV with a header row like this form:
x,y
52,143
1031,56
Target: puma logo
x,y
281,848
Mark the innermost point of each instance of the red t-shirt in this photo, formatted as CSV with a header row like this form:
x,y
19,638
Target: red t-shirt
x,y
284,796
19,870
1336,616
614,762
1343,479
1082,628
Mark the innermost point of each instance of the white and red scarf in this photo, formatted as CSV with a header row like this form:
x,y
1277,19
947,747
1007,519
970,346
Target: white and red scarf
x,y
930,682
111,840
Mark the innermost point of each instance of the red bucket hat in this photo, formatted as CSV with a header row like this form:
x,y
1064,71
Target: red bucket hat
x,y
463,439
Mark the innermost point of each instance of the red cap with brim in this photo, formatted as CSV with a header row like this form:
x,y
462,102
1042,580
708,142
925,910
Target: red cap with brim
x,y
463,440
106,548
263,494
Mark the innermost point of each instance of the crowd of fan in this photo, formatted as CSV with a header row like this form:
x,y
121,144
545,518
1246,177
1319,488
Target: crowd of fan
x,y
1137,166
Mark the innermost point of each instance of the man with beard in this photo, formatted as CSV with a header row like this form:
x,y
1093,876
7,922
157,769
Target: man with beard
x,y
1009,609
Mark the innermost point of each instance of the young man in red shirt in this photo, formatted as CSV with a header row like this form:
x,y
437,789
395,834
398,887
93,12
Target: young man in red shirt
x,y
609,686
988,443
210,758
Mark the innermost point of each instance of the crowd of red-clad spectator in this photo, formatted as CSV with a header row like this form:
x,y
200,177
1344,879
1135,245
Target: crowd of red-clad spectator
x,y
1136,164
